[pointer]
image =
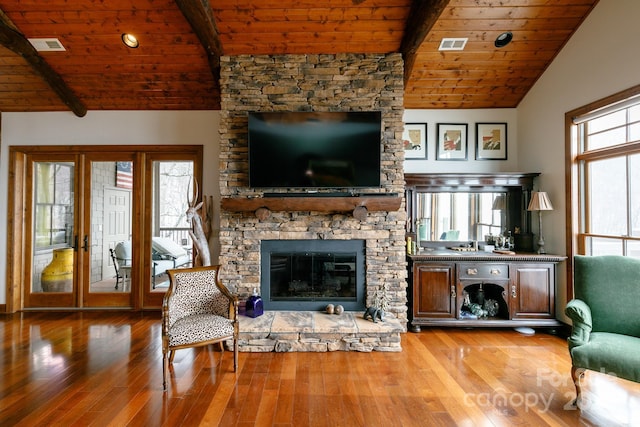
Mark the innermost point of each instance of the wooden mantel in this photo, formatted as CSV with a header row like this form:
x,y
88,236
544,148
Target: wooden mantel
x,y
360,205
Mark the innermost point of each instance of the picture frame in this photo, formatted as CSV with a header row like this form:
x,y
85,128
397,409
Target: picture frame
x,y
414,139
452,141
491,141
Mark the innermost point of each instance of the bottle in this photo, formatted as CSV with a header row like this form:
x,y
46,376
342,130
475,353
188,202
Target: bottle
x,y
255,307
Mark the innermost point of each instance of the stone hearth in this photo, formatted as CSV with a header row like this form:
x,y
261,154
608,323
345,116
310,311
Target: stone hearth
x,y
288,331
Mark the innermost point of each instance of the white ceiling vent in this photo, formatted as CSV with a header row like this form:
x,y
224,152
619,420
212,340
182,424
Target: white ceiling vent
x,y
453,44
47,45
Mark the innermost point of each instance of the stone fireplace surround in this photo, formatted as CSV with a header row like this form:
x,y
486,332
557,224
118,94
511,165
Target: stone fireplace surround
x,y
344,82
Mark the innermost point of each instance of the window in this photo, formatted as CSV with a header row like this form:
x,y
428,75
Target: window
x,y
606,141
170,207
53,204
459,216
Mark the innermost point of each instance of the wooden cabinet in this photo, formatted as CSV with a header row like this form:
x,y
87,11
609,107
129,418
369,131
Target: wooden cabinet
x,y
532,293
434,290
520,288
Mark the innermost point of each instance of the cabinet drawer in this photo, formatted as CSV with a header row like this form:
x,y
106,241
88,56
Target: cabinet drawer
x,y
483,271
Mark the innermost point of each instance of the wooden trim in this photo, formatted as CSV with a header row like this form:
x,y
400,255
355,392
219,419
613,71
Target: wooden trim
x,y
445,182
315,204
15,231
15,41
619,96
65,149
571,194
422,17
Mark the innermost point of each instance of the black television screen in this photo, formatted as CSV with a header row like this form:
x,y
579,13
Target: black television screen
x,y
314,149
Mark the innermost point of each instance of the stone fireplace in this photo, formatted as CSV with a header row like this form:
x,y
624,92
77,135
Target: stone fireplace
x,y
343,82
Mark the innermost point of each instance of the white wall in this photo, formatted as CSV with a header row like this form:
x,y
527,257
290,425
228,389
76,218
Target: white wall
x,y
470,118
109,128
602,58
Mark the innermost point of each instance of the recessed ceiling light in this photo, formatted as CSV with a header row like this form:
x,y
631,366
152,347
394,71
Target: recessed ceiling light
x,y
130,40
503,39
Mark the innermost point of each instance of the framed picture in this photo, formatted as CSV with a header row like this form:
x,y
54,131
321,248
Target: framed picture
x,y
414,139
491,141
452,141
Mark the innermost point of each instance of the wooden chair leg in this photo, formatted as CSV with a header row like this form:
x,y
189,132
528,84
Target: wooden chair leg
x,y
165,367
172,354
235,354
577,374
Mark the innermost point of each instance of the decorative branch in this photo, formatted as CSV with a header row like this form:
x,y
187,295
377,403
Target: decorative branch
x,y
197,233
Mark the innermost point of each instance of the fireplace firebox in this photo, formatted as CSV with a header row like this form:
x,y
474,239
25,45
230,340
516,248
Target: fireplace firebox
x,y
309,274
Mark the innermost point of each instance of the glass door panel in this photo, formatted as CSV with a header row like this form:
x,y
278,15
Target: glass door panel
x,y
170,244
170,240
109,269
52,201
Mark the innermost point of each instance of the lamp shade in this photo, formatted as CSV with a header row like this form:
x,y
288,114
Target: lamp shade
x,y
540,202
499,203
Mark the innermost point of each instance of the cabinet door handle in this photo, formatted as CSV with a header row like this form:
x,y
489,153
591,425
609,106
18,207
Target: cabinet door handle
x,y
495,271
472,271
453,291
513,291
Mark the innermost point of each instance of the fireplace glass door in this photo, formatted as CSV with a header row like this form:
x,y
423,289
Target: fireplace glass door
x,y
308,275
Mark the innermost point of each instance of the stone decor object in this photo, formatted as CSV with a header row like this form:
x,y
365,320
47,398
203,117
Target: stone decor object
x,y
330,309
374,313
339,309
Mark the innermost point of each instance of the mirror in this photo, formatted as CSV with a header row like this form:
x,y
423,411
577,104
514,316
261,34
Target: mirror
x,y
464,216
464,207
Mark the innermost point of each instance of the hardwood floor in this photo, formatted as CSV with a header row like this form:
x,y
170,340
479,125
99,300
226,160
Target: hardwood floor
x,y
99,369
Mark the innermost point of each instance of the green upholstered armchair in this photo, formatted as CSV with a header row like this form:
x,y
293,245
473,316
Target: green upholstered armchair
x,y
606,326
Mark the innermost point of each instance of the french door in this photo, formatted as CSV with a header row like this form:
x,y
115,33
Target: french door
x,y
84,223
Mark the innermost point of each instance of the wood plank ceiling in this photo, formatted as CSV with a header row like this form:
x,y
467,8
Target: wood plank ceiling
x,y
176,66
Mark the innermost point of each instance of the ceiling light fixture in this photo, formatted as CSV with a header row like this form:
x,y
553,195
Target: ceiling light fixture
x,y
130,40
503,39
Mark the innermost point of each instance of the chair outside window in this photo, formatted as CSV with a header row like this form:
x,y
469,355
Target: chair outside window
x,y
197,310
121,258
166,254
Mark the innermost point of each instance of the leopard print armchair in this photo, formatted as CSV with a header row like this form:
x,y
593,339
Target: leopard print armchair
x,y
197,310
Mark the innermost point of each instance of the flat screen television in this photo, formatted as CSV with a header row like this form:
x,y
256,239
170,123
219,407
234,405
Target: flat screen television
x,y
314,150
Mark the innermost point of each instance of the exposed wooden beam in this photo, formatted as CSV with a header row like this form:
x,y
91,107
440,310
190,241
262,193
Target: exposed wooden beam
x,y
13,40
422,16
199,15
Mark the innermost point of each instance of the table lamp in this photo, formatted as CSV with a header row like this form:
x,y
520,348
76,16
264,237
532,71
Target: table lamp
x,y
540,202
